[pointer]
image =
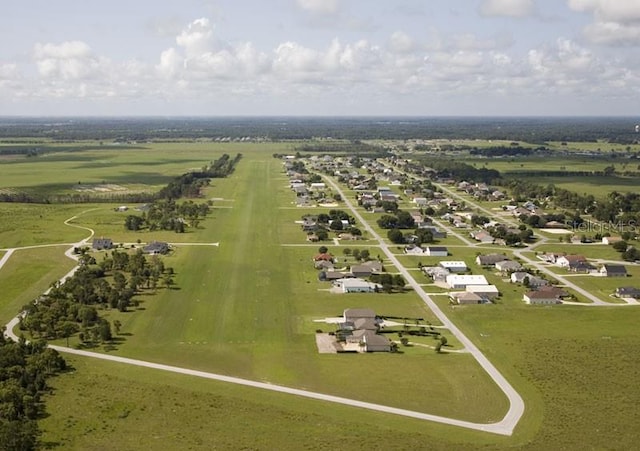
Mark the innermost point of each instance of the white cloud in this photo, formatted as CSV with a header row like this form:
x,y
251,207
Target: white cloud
x,y
71,60
319,6
401,42
197,38
615,22
509,8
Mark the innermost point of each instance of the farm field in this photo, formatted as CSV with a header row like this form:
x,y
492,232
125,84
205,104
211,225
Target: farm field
x,y
246,308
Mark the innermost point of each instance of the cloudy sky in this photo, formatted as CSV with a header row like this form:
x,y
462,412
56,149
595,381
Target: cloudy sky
x,y
320,57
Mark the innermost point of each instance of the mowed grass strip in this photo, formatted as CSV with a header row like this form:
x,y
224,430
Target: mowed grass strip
x,y
246,309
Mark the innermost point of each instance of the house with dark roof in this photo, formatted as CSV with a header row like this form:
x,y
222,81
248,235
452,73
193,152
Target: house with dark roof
x,y
610,270
156,247
490,259
627,292
102,243
436,251
360,328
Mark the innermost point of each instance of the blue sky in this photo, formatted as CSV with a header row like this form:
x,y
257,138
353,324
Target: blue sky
x,y
320,57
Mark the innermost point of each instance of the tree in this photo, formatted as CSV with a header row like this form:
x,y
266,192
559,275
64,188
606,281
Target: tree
x,y
133,222
323,249
346,251
620,246
116,326
364,254
399,281
336,224
356,254
395,236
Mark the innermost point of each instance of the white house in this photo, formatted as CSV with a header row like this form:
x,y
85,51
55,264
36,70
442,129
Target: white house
x,y
540,297
453,266
355,285
459,281
484,291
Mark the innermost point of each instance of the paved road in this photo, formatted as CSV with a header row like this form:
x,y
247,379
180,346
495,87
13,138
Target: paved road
x,y
516,403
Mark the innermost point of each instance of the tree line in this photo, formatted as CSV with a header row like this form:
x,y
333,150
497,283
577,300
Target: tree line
x,y
24,370
73,306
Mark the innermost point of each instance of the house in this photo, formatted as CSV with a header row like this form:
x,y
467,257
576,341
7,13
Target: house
x,y
565,261
453,266
436,251
483,236
508,266
156,247
330,276
324,257
102,243
351,314
611,239
375,265
460,282
375,342
355,285
484,291
324,265
583,267
543,297
627,292
317,186
465,298
122,208
420,201
361,271
553,291
609,270
437,273
534,281
412,249
490,259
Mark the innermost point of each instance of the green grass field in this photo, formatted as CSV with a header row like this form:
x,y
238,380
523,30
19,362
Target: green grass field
x,y
246,309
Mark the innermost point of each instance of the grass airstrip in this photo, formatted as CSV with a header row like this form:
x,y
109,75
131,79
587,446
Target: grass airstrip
x,y
246,308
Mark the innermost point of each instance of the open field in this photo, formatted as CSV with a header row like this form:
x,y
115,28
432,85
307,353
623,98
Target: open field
x,y
246,309
27,274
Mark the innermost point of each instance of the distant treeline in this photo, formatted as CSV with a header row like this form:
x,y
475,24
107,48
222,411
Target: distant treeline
x,y
343,148
504,151
42,148
528,129
186,185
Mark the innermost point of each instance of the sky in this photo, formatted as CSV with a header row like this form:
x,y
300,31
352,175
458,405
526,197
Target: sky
x,y
320,58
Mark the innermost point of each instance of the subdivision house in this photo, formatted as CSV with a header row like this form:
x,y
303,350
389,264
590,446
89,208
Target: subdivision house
x,y
453,266
610,270
566,261
628,292
508,266
534,281
361,271
436,251
355,285
412,249
102,243
465,298
460,282
490,259
360,327
611,239
484,291
542,297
